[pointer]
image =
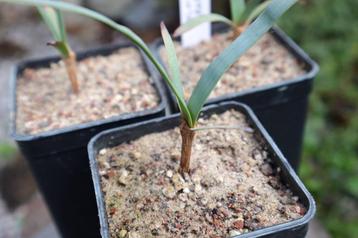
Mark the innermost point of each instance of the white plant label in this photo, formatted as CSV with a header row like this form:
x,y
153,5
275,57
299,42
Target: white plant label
x,y
190,9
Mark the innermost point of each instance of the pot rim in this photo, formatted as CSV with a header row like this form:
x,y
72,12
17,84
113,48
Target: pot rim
x,y
280,160
311,67
104,50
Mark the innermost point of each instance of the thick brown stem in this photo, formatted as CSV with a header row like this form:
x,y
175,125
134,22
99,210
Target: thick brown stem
x,y
71,68
187,136
238,30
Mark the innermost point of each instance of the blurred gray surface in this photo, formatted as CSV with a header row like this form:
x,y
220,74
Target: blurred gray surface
x,y
47,232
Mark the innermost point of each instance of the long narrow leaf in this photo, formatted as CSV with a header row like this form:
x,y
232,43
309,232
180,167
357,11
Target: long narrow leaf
x,y
174,69
61,25
257,10
50,17
237,10
62,47
134,38
231,54
192,23
54,20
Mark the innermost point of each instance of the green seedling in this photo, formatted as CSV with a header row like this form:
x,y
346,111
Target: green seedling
x,y
54,21
243,12
191,109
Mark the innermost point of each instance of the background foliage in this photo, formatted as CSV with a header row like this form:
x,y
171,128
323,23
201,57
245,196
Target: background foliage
x,y
328,31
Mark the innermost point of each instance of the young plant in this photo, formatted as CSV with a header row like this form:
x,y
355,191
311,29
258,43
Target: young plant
x,y
189,110
243,12
54,21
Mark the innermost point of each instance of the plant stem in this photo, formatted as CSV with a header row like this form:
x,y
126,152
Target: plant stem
x,y
187,136
239,29
71,67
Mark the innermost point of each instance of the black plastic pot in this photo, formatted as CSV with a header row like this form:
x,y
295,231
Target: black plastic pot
x,y
59,160
281,107
114,137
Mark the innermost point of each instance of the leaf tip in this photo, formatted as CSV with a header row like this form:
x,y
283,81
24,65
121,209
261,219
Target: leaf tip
x,y
176,32
162,26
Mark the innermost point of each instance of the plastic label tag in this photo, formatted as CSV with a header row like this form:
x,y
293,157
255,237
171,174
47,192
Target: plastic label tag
x,y
190,9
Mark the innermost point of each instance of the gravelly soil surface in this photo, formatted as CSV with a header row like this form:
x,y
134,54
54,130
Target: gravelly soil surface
x,y
232,187
267,62
109,86
27,39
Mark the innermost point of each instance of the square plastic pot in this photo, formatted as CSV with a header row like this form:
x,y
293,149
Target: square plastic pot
x,y
110,138
59,161
281,107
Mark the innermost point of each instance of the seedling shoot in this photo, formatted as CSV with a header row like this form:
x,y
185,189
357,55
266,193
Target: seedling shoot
x,y
54,20
190,109
243,12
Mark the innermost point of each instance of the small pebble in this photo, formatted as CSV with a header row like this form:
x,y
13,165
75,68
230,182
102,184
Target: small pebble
x,y
123,177
137,155
208,218
211,205
169,192
234,233
178,182
122,233
133,234
198,188
186,190
238,224
256,154
155,232
169,173
106,165
266,169
183,197
175,156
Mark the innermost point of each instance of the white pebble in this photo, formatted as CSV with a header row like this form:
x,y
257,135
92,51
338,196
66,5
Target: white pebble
x,y
234,233
186,190
169,173
103,151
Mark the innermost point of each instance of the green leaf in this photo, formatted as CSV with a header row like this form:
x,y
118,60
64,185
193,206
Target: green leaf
x,y
192,23
172,60
237,10
54,20
257,10
231,54
62,26
62,47
134,38
51,18
175,72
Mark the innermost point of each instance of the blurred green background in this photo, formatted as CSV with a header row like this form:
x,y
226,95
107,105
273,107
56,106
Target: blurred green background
x,y
328,31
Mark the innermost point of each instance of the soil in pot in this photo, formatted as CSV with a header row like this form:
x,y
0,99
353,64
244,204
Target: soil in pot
x,y
267,62
109,86
232,188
